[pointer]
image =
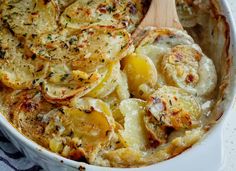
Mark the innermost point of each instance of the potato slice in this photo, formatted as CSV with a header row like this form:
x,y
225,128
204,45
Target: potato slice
x,y
173,107
86,50
134,133
30,17
155,53
91,121
16,70
91,126
21,74
86,103
122,88
139,70
8,41
114,101
113,13
188,68
28,114
108,84
62,83
157,43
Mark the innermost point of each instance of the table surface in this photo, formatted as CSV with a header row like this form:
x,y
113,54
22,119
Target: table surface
x,y
229,134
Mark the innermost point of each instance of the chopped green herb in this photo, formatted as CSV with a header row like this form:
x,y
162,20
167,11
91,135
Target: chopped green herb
x,y
49,37
89,2
40,52
72,40
111,9
63,78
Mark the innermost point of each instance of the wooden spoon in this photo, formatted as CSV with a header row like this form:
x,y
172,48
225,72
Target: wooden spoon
x,y
161,13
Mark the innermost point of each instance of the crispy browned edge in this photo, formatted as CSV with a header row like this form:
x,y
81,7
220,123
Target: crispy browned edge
x,y
226,75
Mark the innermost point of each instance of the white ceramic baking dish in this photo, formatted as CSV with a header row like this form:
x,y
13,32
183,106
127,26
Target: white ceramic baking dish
x,y
207,155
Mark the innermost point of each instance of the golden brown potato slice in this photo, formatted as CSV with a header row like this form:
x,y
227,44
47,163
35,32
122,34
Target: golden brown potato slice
x,y
30,17
86,50
139,70
134,133
91,121
62,83
175,108
28,115
188,68
9,45
156,133
92,127
108,84
16,70
22,74
113,13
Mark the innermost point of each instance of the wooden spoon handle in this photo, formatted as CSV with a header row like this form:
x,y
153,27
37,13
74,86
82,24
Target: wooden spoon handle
x,y
162,13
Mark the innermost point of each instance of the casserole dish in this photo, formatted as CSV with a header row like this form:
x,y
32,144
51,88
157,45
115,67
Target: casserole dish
x,y
215,32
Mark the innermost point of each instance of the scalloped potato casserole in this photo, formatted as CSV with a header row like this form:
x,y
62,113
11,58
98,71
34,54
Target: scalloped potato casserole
x,y
72,80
